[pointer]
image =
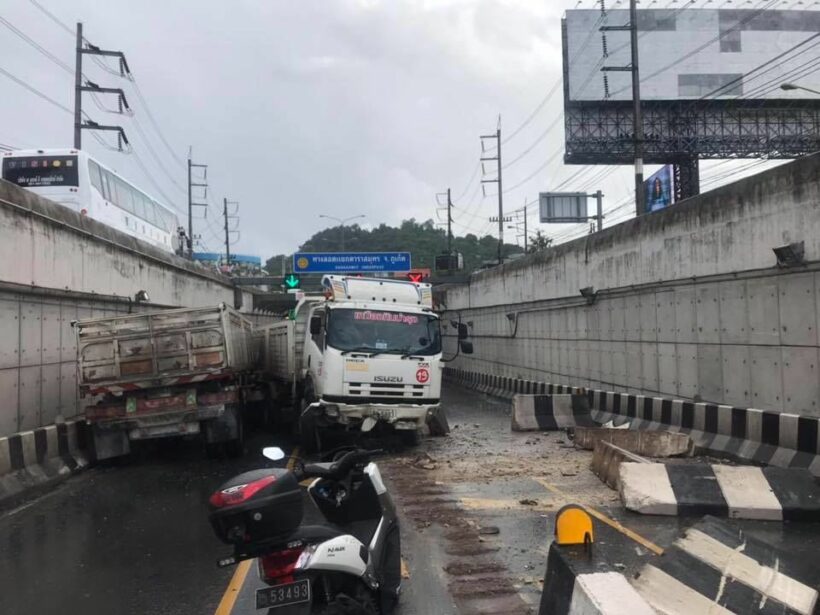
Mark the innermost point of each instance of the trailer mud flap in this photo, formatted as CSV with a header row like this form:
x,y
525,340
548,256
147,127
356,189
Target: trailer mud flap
x,y
224,428
110,443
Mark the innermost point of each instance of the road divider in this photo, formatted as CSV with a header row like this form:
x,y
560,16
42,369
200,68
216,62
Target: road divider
x,y
33,460
550,412
646,443
740,492
773,438
717,568
607,459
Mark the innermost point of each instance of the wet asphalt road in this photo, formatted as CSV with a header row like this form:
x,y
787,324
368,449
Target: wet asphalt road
x,y
129,539
134,538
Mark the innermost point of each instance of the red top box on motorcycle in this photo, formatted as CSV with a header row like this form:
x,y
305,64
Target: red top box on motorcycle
x,y
256,506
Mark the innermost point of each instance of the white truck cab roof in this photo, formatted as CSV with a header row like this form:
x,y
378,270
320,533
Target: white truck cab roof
x,y
383,291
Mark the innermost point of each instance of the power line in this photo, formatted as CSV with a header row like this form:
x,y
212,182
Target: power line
x,y
35,91
156,157
51,16
470,181
535,112
538,139
153,121
37,46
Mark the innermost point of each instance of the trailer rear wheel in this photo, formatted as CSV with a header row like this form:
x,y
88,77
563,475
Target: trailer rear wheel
x,y
236,448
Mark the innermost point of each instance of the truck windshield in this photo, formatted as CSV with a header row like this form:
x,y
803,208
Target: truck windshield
x,y
381,331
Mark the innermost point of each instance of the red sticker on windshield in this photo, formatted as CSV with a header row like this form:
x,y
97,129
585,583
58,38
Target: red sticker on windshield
x,y
422,375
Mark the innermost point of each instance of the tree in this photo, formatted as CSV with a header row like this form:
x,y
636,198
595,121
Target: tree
x,y
422,239
539,242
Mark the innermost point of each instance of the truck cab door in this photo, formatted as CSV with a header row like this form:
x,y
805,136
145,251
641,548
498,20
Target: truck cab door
x,y
315,348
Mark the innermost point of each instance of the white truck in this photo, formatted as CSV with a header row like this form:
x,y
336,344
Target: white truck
x,y
365,354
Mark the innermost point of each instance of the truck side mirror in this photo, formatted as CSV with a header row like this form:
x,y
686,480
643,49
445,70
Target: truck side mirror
x,y
463,332
315,325
466,347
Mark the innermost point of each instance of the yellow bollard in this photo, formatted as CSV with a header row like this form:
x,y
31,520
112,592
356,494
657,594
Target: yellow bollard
x,y
573,526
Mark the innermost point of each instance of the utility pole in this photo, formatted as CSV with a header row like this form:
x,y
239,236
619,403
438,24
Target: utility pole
x,y
449,224
599,199
81,85
637,120
497,180
524,210
228,231
191,204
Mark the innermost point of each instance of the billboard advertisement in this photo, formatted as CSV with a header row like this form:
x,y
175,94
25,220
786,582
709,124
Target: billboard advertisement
x,y
659,189
686,55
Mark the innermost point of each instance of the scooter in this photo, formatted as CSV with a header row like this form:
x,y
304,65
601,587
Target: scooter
x,y
347,563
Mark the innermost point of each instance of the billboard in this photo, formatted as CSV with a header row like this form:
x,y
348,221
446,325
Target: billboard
x,y
685,55
350,262
562,206
659,189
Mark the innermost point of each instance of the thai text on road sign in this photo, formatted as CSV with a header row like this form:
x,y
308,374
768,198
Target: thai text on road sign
x,y
350,262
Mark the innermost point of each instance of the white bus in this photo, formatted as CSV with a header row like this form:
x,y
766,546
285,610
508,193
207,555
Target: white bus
x,y
74,179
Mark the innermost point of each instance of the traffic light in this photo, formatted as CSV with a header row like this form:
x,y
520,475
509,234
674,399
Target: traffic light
x,y
415,276
291,281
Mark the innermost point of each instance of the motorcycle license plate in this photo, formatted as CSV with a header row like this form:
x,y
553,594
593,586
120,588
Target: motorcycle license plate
x,y
283,595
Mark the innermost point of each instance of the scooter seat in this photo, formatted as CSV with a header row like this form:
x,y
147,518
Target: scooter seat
x,y
317,533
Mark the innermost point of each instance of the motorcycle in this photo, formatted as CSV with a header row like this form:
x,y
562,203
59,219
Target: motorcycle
x,y
347,563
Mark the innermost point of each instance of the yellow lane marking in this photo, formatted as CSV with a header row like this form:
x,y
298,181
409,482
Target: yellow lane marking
x,y
603,518
240,574
293,456
405,571
237,581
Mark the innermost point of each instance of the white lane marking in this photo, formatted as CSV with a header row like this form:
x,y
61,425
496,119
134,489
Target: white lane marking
x,y
747,493
763,579
645,488
669,596
608,593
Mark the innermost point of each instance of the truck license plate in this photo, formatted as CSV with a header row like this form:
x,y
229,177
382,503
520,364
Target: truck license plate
x,y
283,595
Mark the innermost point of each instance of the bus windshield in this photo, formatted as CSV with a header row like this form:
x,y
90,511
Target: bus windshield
x,y
41,171
383,331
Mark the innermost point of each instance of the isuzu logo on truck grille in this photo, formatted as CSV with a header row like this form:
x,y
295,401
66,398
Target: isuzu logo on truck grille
x,y
388,379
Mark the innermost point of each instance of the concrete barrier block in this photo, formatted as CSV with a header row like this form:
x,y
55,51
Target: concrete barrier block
x,y
715,567
607,459
33,460
550,412
579,583
740,492
646,443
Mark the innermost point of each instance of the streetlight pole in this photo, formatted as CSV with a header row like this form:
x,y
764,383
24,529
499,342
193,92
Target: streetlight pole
x,y
342,222
794,86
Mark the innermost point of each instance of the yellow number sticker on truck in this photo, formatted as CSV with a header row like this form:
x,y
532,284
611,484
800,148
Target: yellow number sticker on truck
x,y
356,365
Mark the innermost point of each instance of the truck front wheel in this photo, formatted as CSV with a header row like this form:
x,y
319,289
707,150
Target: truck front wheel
x,y
308,430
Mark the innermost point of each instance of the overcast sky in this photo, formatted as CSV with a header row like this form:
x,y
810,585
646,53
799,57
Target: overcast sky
x,y
309,107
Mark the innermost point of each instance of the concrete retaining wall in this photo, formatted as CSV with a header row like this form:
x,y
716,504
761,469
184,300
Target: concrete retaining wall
x,y
690,302
57,266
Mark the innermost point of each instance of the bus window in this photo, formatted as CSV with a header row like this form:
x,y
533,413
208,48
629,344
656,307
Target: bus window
x,y
41,171
106,186
126,199
150,211
95,175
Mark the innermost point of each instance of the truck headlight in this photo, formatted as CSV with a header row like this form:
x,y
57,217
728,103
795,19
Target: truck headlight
x,y
332,411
